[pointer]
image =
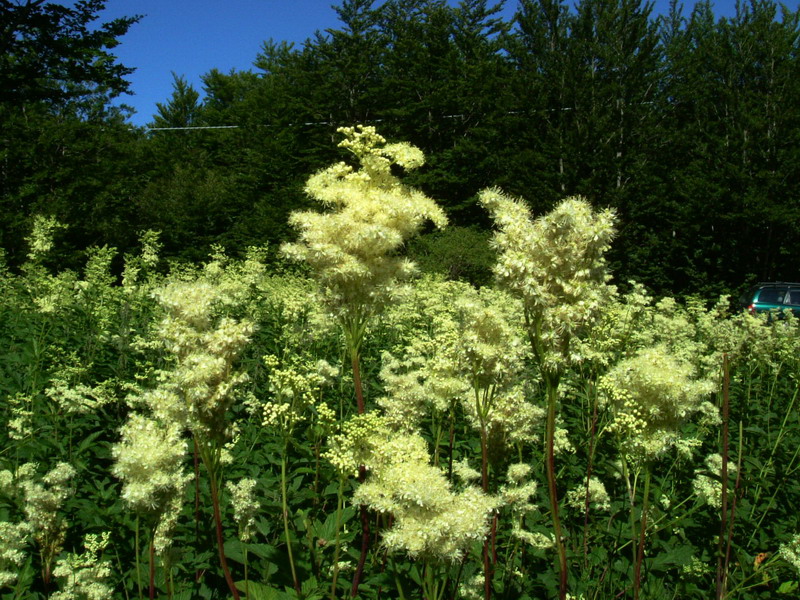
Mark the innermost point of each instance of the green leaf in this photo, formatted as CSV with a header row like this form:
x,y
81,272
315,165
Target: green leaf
x,y
260,591
676,557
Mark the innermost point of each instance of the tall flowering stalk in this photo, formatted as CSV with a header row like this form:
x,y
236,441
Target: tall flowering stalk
x,y
353,247
556,265
295,388
194,396
650,396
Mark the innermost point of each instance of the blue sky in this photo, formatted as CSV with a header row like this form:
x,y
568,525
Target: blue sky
x,y
190,37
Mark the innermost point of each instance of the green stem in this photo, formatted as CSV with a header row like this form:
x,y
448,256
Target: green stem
x,y
362,473
246,574
285,508
138,566
722,574
152,566
637,569
338,546
211,463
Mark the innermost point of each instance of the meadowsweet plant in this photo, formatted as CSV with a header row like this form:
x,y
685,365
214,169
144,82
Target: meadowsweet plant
x,y
42,499
598,497
650,396
149,461
194,395
295,388
84,576
13,541
555,264
40,240
353,248
431,522
245,506
707,484
518,495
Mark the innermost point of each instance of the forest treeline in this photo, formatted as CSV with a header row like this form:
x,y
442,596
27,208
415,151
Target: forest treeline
x,y
686,124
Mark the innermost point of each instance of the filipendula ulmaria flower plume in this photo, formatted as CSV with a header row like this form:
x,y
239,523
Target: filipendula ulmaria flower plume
x,y
556,265
517,495
473,353
352,248
13,539
43,498
201,343
245,506
200,389
295,387
651,395
83,576
707,483
149,461
790,552
431,520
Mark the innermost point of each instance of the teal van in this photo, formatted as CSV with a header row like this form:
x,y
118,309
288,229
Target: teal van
x,y
772,296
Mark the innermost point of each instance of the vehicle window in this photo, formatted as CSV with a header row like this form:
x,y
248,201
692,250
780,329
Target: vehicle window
x,y
772,295
793,297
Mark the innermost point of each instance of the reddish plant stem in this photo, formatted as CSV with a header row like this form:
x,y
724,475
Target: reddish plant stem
x,y
637,568
220,539
198,574
362,474
723,544
552,393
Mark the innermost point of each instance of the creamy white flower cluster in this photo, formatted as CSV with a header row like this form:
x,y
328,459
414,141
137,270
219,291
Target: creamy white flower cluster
x,y
245,506
294,388
431,521
472,354
518,495
76,397
352,249
791,552
149,459
597,496
199,390
13,539
83,576
40,241
294,310
650,396
41,499
193,396
556,265
707,483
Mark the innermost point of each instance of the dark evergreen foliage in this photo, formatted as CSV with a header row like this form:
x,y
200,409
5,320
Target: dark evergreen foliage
x,y
686,124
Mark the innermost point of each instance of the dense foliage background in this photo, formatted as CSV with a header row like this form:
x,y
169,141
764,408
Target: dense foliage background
x,y
686,124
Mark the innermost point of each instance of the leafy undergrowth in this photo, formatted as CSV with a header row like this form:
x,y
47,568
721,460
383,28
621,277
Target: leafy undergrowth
x,y
237,430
